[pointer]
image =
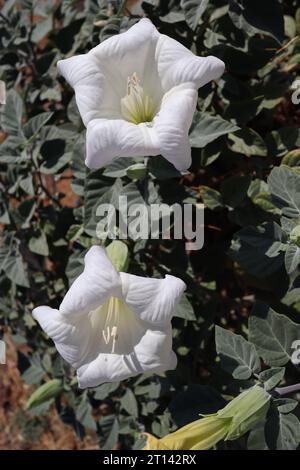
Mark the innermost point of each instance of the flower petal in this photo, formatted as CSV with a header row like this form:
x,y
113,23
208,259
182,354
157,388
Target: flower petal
x,y
186,67
93,287
152,354
94,94
72,340
108,139
154,351
99,77
153,300
129,52
172,125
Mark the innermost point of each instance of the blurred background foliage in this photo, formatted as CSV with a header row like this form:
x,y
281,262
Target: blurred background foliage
x,y
246,170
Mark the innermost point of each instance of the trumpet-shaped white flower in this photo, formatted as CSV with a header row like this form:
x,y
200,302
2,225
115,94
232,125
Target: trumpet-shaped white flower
x,y
110,325
137,93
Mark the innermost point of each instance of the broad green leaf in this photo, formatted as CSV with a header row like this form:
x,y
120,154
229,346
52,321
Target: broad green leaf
x,y
34,124
284,185
185,309
260,250
207,128
103,391
129,403
238,356
193,11
285,405
272,377
269,20
84,413
211,198
282,141
11,115
292,258
39,244
289,432
273,334
110,432
248,142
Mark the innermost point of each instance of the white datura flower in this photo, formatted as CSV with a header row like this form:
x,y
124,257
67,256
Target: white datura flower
x,y
111,325
137,93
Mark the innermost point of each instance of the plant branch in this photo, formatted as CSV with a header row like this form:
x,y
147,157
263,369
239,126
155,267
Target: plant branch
x,y
288,389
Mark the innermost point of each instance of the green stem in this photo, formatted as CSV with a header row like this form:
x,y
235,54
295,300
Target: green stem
x,y
121,9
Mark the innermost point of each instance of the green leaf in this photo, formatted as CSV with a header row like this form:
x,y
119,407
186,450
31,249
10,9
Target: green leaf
x,y
41,29
33,374
238,356
245,16
284,185
110,428
129,403
207,128
185,309
84,414
138,171
285,405
289,432
211,198
34,125
98,190
273,334
104,390
282,141
292,258
260,250
292,158
39,244
118,168
248,142
272,377
193,11
11,262
12,114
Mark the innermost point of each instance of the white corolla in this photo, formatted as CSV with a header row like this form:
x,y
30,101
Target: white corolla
x,y
137,93
111,325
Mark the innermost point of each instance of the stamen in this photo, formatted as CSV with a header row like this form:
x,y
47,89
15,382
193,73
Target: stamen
x,y
110,330
136,106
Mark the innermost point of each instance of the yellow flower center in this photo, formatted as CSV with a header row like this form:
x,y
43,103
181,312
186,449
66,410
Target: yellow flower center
x,y
136,106
119,327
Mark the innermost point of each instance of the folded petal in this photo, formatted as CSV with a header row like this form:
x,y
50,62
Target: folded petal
x,y
74,341
152,354
129,52
176,64
99,77
95,96
154,351
153,300
172,125
98,282
108,139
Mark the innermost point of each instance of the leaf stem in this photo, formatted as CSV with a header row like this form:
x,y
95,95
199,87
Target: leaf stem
x,y
288,389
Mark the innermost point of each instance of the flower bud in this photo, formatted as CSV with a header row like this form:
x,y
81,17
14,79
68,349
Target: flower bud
x,y
45,392
235,419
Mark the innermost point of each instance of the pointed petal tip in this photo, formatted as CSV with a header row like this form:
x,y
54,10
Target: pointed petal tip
x,y
217,65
